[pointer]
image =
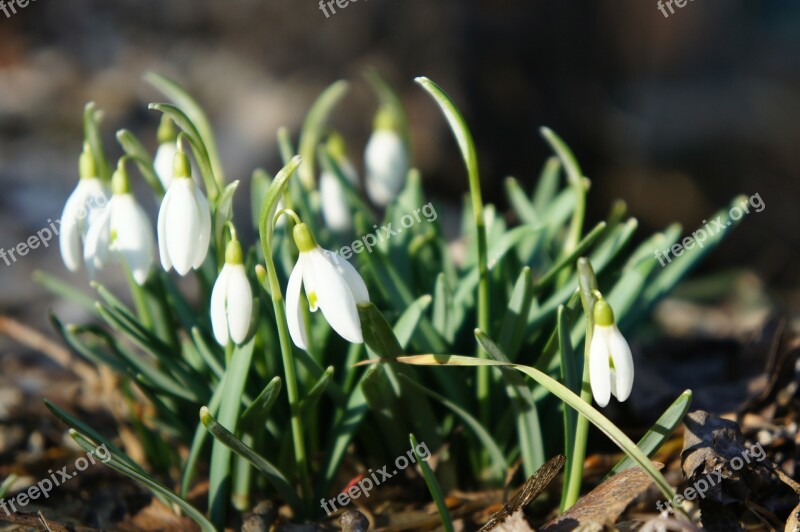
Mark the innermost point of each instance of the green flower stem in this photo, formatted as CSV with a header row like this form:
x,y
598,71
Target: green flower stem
x,y
573,476
470,155
265,226
291,377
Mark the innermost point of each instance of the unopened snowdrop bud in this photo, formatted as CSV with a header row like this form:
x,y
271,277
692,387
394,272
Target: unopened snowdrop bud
x,y
232,298
330,283
610,360
335,209
165,153
122,231
184,220
385,158
83,205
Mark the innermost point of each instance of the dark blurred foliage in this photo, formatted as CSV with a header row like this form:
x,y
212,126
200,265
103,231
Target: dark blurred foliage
x,y
675,115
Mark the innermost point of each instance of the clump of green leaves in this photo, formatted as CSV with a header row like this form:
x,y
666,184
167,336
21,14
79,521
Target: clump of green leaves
x,y
275,420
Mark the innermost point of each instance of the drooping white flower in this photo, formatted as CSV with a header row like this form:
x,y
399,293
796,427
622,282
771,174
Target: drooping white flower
x,y
122,230
164,160
231,299
84,204
385,159
610,360
184,221
335,209
331,284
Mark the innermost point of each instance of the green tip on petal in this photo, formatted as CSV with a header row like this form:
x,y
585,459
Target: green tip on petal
x,y
335,145
180,165
233,253
386,119
120,183
603,314
166,130
303,238
86,165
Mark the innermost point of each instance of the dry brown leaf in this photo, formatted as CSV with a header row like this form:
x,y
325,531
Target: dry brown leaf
x,y
604,504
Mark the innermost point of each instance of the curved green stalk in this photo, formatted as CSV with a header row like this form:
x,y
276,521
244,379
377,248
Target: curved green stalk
x,y
312,131
265,233
470,155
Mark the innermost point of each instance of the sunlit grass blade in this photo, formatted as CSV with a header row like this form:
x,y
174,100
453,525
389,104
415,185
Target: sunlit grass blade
x,y
161,491
433,487
661,430
64,289
219,475
6,485
91,130
255,415
407,323
512,331
469,153
196,114
272,473
313,128
547,186
520,203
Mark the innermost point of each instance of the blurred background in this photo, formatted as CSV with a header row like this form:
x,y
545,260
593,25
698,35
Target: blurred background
x,y
675,115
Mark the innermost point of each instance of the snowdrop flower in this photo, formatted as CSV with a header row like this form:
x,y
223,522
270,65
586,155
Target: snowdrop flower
x,y
335,209
122,230
385,159
231,298
82,207
610,360
184,221
331,284
165,153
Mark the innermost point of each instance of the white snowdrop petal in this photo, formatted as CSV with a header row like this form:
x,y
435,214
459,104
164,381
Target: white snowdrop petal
x,y
294,312
69,236
204,237
353,279
599,369
163,252
96,243
163,161
623,364
309,281
182,226
219,321
334,204
134,236
386,164
335,298
238,303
